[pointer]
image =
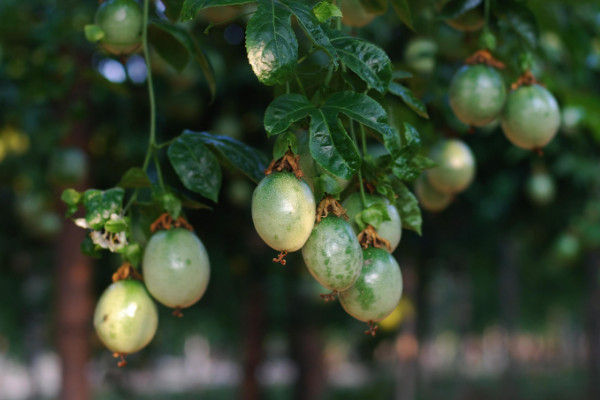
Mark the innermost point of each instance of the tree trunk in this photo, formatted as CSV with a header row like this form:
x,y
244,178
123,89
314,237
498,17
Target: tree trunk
x,y
592,264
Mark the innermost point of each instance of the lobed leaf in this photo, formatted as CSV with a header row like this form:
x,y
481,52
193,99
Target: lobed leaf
x,y
409,99
100,205
285,110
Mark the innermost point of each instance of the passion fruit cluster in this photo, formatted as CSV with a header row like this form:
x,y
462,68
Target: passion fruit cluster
x,y
337,254
176,271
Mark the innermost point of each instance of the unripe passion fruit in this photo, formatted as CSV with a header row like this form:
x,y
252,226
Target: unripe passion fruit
x,y
531,117
283,211
477,94
540,188
176,268
390,230
430,198
121,21
354,14
377,291
126,317
456,166
332,253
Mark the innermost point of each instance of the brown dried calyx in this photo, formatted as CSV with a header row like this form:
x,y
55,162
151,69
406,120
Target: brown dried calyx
x,y
526,79
329,205
166,222
373,327
288,162
369,237
484,57
126,271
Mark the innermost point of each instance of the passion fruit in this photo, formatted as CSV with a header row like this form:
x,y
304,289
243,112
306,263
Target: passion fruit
x,y
456,166
430,198
121,21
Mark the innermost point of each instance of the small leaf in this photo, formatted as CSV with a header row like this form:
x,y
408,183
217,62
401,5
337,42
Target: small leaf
x,y
422,163
234,153
196,165
271,44
408,208
366,60
116,225
522,21
456,8
93,33
169,48
326,184
283,143
399,74
404,171
135,178
409,99
132,253
173,9
325,11
191,8
285,110
72,198
374,216
412,140
100,205
171,204
403,11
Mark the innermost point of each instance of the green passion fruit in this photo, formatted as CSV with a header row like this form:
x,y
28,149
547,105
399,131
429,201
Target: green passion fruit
x,y
430,198
176,267
377,291
456,166
283,211
477,94
390,230
121,21
125,318
332,253
531,117
540,188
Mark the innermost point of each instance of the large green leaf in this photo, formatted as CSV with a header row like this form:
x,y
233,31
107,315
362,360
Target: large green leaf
x,y
191,8
100,205
409,99
309,23
285,110
365,59
173,9
271,44
239,155
456,8
408,207
196,165
522,21
403,11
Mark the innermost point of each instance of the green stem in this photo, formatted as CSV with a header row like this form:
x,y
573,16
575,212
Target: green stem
x,y
300,85
338,21
360,179
363,139
487,14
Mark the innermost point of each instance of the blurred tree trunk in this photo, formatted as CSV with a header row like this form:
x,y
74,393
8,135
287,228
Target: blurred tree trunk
x,y
508,287
592,264
253,338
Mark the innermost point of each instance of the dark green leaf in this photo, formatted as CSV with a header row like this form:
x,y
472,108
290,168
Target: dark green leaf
x,y
422,163
169,48
89,248
408,98
325,11
271,44
234,153
326,184
196,165
192,204
456,8
135,178
403,170
285,110
403,11
366,60
72,198
378,7
284,142
173,9
408,208
522,21
412,140
93,33
191,8
100,205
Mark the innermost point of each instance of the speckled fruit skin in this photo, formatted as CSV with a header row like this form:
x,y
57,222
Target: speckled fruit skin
x,y
176,267
531,117
283,211
121,21
332,253
389,230
354,14
456,166
126,317
377,291
429,198
477,94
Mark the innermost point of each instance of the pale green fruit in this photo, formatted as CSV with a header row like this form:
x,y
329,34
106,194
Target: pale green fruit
x,y
390,230
283,211
126,317
456,166
121,21
377,291
332,253
176,268
540,188
531,117
430,198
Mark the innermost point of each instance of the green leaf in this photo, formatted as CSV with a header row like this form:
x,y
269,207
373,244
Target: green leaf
x,y
271,44
422,163
191,8
196,165
135,178
186,202
522,21
365,59
403,11
378,7
116,225
283,143
456,8
399,74
409,99
171,204
408,208
311,26
93,33
326,184
169,48
285,110
403,170
325,11
132,253
248,160
173,9
89,248
100,205
412,140
72,198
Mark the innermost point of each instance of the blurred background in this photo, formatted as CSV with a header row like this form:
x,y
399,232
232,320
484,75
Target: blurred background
x,y
502,291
